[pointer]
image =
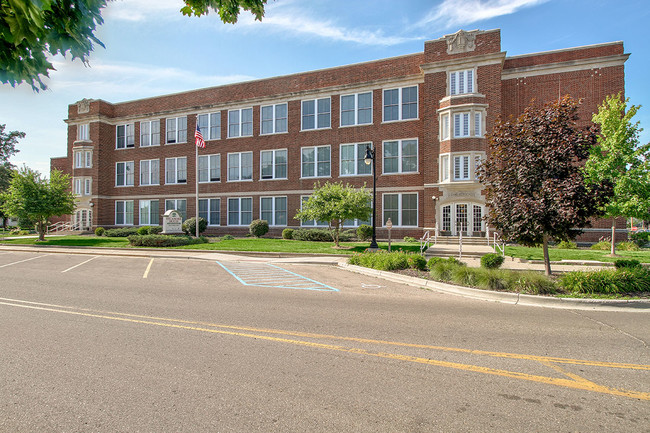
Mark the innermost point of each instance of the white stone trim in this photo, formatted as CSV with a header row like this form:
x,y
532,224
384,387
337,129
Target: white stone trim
x,y
562,67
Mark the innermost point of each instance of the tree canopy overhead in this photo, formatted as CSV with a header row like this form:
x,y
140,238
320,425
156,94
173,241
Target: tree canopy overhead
x,y
535,187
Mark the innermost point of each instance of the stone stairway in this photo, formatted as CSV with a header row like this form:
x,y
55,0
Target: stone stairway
x,y
447,246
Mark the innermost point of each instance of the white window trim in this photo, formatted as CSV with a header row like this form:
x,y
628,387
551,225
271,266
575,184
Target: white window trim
x,y
400,169
316,223
218,157
450,166
356,158
273,198
302,175
78,159
176,130
176,182
175,200
240,123
240,167
150,133
444,120
140,212
465,93
83,132
88,186
356,109
273,151
399,104
207,135
124,215
274,118
125,176
399,208
208,219
126,136
316,125
151,179
239,212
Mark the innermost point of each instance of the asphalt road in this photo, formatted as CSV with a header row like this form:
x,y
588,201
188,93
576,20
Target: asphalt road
x,y
102,344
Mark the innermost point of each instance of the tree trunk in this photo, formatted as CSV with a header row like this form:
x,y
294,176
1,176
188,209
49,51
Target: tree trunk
x,y
40,226
613,251
547,260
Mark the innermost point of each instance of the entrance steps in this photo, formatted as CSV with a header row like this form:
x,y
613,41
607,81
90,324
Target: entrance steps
x,y
447,246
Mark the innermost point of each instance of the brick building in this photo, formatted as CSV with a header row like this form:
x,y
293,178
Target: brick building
x,y
269,141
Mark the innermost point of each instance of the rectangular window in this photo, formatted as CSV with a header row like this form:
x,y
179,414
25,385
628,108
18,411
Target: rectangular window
x,y
124,212
176,170
210,125
274,210
402,209
461,167
478,218
124,174
274,118
461,82
444,168
240,166
446,218
176,130
87,186
310,223
401,104
240,123
273,164
77,186
352,159
149,214
356,109
444,127
149,133
461,125
210,168
149,172
179,205
240,211
315,161
82,132
210,210
88,158
478,124
400,156
125,136
316,114
78,159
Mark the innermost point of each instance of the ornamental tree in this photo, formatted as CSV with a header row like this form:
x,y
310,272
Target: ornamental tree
x,y
31,197
535,188
8,142
618,158
336,203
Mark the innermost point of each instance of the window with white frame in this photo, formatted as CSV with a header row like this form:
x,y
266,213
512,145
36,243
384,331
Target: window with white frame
x,y
273,164
125,136
446,218
149,172
149,133
210,125
149,213
461,82
478,124
78,159
316,114
82,132
400,156
310,223
179,205
240,123
401,104
402,209
87,186
176,130
176,170
444,126
357,222
274,210
316,161
461,167
356,109
88,158
210,168
77,185
352,159
461,125
83,159
240,211
444,168
478,218
210,210
124,212
273,118
240,166
124,174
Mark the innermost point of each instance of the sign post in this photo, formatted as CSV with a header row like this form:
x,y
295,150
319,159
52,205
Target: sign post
x,y
389,225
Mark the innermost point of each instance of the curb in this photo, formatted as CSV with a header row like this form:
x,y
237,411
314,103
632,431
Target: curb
x,y
633,305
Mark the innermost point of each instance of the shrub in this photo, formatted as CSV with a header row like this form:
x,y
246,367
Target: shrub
x,y
227,238
122,232
19,231
99,231
409,239
144,230
627,263
492,261
418,262
628,246
364,232
164,240
382,260
464,276
258,228
533,283
287,234
602,246
433,260
494,279
189,226
321,235
154,230
608,281
444,269
567,245
640,238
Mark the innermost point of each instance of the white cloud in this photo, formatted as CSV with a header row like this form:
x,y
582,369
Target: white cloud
x,y
142,10
454,13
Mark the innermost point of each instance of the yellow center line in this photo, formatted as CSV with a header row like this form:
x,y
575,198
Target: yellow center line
x,y
146,272
579,383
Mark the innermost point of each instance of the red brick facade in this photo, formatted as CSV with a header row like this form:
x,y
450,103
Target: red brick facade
x,y
486,84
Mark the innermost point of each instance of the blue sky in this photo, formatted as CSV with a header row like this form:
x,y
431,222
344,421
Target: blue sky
x,y
151,49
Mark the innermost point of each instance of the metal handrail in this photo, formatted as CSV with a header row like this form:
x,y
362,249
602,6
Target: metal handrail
x,y
425,241
496,246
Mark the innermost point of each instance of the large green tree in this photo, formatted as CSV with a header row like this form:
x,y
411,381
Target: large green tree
x,y
335,203
31,197
619,158
8,142
535,187
33,30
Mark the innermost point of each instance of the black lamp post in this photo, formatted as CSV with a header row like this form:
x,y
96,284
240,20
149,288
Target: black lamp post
x,y
370,157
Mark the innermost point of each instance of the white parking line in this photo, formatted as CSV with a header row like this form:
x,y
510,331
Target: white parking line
x,y
69,269
21,261
146,272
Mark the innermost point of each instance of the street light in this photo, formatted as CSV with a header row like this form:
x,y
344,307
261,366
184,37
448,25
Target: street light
x,y
370,158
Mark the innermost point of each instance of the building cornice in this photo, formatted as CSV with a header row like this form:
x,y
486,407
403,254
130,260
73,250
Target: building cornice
x,y
465,62
562,67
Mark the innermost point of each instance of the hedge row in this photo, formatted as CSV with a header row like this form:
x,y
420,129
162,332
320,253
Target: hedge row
x,y
164,240
386,261
321,235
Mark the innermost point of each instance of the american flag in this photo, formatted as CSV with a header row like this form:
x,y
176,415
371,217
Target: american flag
x,y
200,142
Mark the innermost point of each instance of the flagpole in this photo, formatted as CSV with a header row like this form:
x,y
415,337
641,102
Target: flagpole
x,y
196,163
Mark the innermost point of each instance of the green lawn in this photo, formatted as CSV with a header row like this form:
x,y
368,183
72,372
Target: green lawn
x,y
579,254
